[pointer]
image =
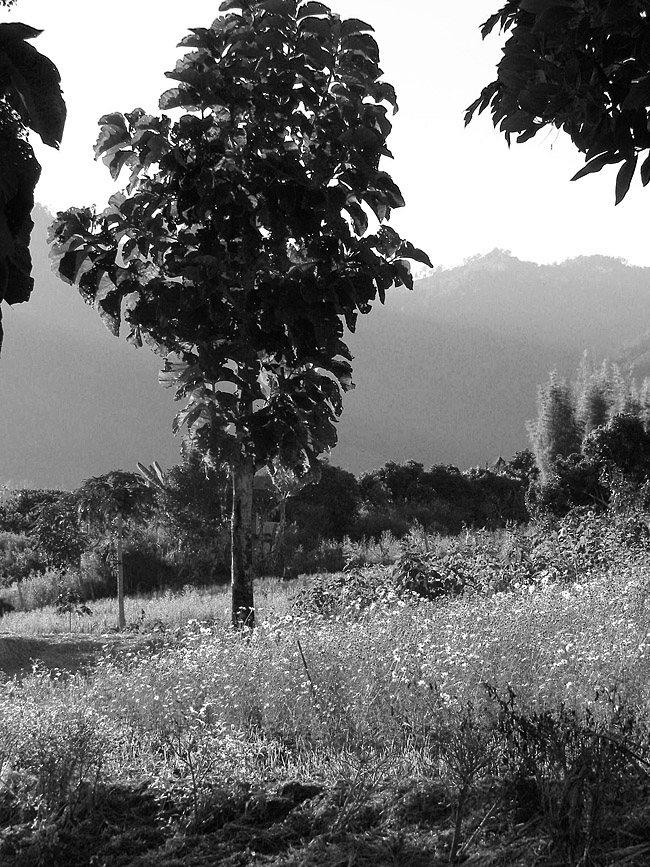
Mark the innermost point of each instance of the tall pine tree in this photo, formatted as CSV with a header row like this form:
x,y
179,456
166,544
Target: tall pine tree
x,y
556,432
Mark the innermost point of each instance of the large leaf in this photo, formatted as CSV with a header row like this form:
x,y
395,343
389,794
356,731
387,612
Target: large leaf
x,y
19,172
624,178
33,82
595,165
312,8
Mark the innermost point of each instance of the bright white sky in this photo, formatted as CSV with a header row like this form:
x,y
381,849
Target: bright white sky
x,y
465,192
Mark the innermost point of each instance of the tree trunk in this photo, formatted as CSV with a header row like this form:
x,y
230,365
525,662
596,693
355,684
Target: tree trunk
x,y
241,530
121,620
280,559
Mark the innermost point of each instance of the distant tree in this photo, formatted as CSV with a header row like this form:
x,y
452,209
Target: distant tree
x,y
192,501
594,393
555,433
109,500
30,98
521,466
242,245
582,67
57,531
623,445
644,399
18,507
405,482
576,482
327,508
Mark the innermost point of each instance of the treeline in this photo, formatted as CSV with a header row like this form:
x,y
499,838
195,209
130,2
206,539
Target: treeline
x,y
590,440
177,533
590,448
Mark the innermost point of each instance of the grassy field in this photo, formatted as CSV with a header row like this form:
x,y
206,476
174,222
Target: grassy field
x,y
149,613
495,728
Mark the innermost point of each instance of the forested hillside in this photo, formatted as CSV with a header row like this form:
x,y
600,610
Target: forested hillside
x,y
447,373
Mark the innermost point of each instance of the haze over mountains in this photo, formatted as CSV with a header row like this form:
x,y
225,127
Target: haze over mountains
x,y
447,373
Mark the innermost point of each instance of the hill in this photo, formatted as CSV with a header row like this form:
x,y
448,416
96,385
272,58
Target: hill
x,y
448,373
74,401
445,374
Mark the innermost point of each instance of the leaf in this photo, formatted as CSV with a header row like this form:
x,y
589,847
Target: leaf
x,y
554,19
36,82
176,97
312,8
403,269
355,25
645,171
624,178
408,251
318,26
227,5
276,5
639,95
359,218
314,51
112,134
596,164
105,287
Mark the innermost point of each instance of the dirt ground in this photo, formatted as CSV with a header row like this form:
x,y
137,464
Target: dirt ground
x,y
71,653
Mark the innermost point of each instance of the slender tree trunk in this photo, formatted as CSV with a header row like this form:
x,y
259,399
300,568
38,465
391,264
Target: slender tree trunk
x,y
241,530
279,543
121,620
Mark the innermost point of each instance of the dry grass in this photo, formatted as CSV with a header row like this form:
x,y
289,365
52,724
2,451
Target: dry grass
x,y
366,737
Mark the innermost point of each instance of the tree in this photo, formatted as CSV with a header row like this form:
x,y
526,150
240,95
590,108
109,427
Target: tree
x,y
621,446
556,432
190,499
582,67
286,484
110,499
327,508
243,242
30,98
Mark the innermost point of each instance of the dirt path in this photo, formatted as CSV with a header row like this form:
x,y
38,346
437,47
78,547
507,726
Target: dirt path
x,y
71,653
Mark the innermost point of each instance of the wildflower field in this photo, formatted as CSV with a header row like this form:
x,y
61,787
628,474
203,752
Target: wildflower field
x,y
482,727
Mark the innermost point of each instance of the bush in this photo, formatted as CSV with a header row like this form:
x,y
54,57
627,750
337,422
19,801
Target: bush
x,y
341,593
421,574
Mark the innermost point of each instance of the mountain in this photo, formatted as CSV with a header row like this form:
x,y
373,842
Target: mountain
x,y
74,401
447,373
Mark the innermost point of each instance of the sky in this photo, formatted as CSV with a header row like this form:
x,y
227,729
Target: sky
x,y
466,192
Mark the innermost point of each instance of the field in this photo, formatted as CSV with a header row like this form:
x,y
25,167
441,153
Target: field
x,y
491,727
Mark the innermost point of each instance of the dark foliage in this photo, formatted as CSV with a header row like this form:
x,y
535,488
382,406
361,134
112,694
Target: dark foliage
x,y
30,97
581,67
442,498
328,508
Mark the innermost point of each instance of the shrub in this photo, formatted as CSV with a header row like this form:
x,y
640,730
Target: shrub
x,y
421,574
341,593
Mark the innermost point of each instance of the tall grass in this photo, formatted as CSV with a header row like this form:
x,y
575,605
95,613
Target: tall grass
x,y
438,691
169,610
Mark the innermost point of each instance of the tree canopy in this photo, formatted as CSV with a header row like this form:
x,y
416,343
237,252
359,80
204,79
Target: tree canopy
x,y
582,66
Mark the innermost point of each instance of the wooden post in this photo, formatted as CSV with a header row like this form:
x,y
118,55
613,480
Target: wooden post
x,y
121,620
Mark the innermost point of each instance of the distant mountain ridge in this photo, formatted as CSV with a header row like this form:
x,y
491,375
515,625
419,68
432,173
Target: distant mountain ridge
x,y
471,344
445,374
